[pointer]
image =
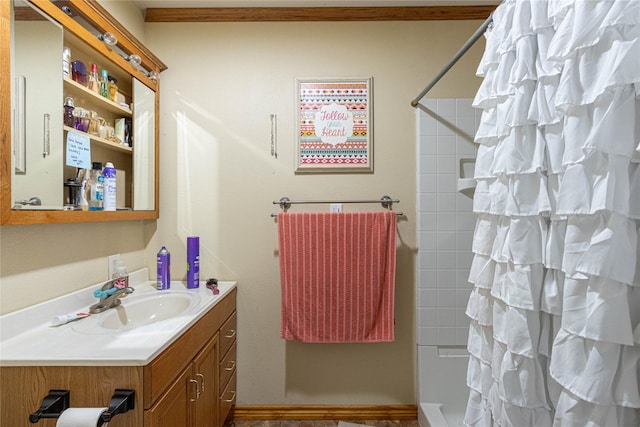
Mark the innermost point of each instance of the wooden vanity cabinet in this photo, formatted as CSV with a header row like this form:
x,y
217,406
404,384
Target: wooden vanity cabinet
x,y
188,384
184,382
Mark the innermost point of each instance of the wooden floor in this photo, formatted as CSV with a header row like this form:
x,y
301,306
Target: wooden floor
x,y
319,423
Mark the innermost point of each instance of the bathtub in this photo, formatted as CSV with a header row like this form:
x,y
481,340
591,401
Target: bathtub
x,y
442,389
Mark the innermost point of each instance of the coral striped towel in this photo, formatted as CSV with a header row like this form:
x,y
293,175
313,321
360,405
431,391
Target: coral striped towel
x,y
337,272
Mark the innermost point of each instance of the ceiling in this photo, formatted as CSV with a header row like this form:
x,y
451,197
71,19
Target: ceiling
x,y
145,4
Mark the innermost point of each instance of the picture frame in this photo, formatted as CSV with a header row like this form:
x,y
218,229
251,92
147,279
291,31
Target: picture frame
x,y
334,125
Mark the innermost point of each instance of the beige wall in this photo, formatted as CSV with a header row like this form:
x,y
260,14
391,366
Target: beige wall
x,y
218,181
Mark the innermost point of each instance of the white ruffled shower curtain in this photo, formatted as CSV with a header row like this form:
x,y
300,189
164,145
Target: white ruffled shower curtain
x,y
555,309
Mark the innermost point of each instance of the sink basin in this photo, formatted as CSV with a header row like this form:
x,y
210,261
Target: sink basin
x,y
136,311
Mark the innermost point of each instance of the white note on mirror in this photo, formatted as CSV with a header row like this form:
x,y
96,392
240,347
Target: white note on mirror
x,y
78,150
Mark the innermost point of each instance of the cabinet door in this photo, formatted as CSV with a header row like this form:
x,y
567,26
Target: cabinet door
x,y
205,372
172,409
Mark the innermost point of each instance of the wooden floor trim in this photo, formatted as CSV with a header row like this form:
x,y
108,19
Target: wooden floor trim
x,y
305,412
263,14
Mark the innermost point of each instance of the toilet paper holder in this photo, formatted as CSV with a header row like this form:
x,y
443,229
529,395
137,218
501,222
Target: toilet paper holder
x,y
52,405
58,400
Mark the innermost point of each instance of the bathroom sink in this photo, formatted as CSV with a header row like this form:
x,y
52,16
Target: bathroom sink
x,y
140,310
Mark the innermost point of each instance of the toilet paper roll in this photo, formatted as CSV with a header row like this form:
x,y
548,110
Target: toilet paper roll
x,y
81,417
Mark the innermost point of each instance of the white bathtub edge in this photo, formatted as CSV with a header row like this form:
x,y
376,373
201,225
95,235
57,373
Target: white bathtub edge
x,y
430,415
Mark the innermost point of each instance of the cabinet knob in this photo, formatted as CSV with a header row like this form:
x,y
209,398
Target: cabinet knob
x,y
231,366
231,333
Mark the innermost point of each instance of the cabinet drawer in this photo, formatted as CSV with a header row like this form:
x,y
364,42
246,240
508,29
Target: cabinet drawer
x,y
227,400
228,334
227,366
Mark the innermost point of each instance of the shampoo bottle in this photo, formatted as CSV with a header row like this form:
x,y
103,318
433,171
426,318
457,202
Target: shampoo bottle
x,y
193,262
164,270
109,174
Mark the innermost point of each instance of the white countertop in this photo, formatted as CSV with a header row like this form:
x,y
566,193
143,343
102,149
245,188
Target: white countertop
x,y
28,339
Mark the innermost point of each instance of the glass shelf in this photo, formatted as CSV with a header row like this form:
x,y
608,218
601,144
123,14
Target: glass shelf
x,y
112,145
75,89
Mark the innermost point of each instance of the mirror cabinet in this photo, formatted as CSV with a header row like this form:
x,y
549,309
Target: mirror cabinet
x,y
54,125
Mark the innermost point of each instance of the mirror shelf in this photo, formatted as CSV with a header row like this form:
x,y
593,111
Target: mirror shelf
x,y
110,145
76,89
84,43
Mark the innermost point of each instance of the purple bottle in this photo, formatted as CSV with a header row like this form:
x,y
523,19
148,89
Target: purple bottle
x,y
164,269
193,262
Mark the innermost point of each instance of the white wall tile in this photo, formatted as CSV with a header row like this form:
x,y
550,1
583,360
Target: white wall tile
x,y
446,316
427,183
446,144
446,221
427,125
428,221
427,335
464,107
447,336
428,240
428,316
428,145
446,163
447,299
446,183
428,259
446,240
446,260
428,163
446,202
446,279
446,107
428,202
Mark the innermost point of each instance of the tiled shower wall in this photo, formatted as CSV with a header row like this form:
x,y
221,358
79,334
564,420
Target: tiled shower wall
x,y
445,220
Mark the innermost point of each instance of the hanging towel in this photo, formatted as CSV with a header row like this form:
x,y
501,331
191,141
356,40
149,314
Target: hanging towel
x,y
337,272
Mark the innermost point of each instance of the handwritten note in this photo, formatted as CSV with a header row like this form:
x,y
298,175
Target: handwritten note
x,y
78,150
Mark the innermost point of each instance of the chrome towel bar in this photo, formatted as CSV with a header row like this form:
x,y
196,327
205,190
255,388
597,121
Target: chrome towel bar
x,y
285,203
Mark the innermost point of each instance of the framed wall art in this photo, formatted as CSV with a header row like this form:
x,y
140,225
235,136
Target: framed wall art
x,y
334,124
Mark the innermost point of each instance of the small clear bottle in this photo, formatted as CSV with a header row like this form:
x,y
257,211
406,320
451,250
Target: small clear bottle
x,y
94,81
96,188
120,273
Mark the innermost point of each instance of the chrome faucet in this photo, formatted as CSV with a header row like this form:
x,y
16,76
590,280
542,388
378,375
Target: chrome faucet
x,y
110,295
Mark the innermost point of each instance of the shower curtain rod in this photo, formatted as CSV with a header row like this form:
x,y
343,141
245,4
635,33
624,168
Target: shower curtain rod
x,y
474,37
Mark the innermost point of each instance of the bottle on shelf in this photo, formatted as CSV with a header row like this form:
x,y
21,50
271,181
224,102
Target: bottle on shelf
x,y
69,119
94,81
109,174
104,84
83,204
96,187
113,88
